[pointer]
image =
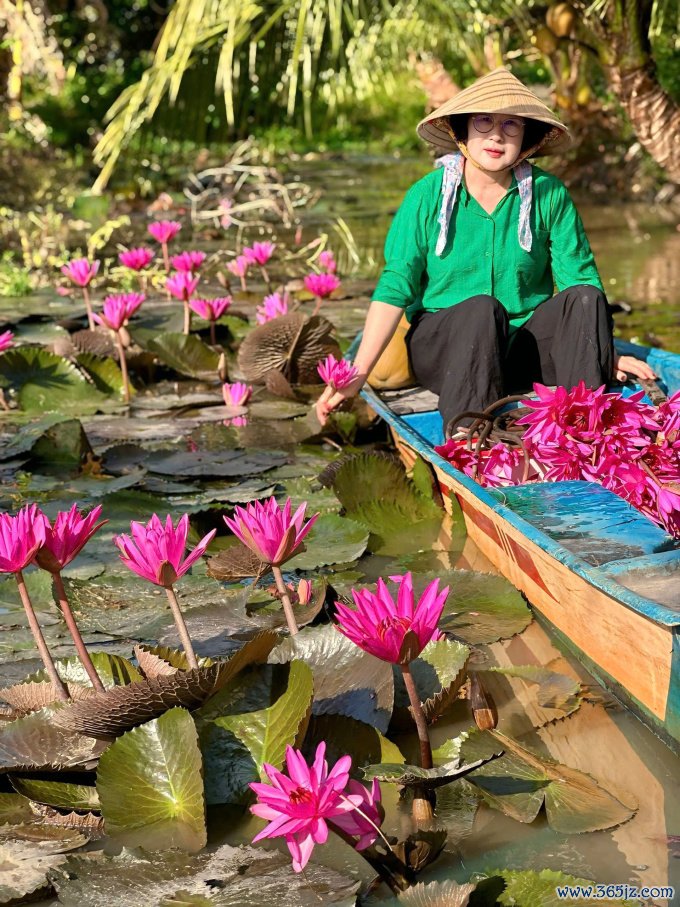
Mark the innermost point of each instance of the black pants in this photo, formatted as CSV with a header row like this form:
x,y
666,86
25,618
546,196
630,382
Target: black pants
x,y
463,353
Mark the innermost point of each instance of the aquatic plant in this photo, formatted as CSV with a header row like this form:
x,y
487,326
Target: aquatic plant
x,y
302,805
337,373
239,268
136,259
82,272
64,540
236,394
321,286
164,231
189,262
275,535
6,341
115,315
21,537
182,285
259,254
326,261
156,553
273,306
211,310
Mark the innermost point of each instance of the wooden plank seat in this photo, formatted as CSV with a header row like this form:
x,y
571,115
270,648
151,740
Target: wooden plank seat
x,y
587,519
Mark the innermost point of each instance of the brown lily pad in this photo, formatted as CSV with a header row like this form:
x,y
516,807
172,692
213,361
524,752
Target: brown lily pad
x,y
292,344
36,743
97,342
118,710
236,563
277,383
31,697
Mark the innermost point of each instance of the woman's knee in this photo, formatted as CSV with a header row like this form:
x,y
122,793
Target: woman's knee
x,y
588,295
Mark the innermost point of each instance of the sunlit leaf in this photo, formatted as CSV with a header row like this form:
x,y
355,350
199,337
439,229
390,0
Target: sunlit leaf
x,y
347,736
35,743
25,865
540,889
331,540
45,382
439,672
183,352
436,894
105,373
14,809
481,607
59,794
150,785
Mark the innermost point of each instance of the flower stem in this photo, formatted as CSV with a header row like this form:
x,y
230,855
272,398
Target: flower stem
x,y
181,627
88,307
285,600
265,275
396,875
418,717
166,259
83,654
319,300
213,338
243,284
123,367
57,682
187,316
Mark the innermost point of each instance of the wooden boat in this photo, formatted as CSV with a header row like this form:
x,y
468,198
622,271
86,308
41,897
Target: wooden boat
x,y
604,577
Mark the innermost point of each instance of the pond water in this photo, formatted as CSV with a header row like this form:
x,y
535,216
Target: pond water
x,y
637,250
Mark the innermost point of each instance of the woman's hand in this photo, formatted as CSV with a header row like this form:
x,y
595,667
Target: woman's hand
x,y
331,399
629,365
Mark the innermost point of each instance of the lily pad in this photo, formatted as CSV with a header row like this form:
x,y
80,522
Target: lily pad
x,y
104,372
63,444
439,672
227,463
150,785
277,409
481,607
551,694
252,722
25,865
14,809
428,778
522,781
347,681
224,877
540,889
347,736
437,894
292,344
58,794
35,743
113,670
332,540
45,382
185,353
26,437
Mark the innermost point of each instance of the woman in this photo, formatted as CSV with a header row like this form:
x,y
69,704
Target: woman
x,y
474,254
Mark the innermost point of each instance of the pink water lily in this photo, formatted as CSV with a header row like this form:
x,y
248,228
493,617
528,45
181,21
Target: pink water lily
x,y
224,207
321,286
236,394
182,285
21,537
211,310
273,306
327,262
235,422
66,538
118,310
156,552
336,373
239,268
81,271
136,259
301,804
259,253
6,341
163,231
188,261
394,631
275,535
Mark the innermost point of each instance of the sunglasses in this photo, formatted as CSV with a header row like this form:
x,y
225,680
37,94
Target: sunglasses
x,y
484,123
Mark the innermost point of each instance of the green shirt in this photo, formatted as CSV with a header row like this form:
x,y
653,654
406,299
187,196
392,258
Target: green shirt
x,y
482,253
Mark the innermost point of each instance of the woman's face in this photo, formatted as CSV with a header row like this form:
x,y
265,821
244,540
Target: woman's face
x,y
494,141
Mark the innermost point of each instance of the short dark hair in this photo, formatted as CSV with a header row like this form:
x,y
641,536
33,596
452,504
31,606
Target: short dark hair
x,y
534,130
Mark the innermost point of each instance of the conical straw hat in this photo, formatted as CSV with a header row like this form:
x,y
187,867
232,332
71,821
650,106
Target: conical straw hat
x,y
497,92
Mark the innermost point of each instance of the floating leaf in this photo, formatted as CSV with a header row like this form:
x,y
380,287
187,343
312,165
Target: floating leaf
x,y
23,440
36,743
263,732
121,708
157,660
522,781
105,373
14,809
225,463
331,540
428,778
150,785
292,344
236,563
548,695
277,409
539,889
185,353
113,670
64,444
25,866
58,794
224,877
347,681
31,697
439,672
481,607
97,343
46,382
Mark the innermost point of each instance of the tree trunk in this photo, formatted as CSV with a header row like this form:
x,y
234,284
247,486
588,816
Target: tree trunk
x,y
654,115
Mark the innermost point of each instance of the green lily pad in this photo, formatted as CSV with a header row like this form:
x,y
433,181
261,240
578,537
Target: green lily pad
x,y
277,409
260,713
113,670
150,785
347,736
481,607
35,743
540,889
45,382
222,877
105,373
428,778
436,894
63,444
347,681
227,463
552,695
15,809
522,781
26,437
439,672
58,794
332,539
185,353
